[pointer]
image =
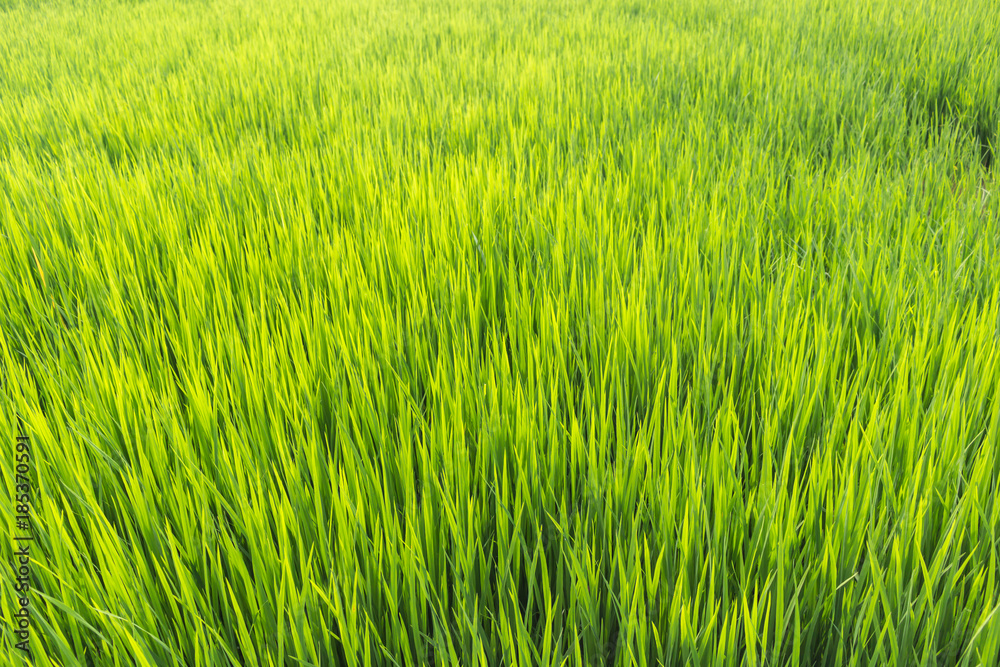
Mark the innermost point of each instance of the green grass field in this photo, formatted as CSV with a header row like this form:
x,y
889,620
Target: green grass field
x,y
467,332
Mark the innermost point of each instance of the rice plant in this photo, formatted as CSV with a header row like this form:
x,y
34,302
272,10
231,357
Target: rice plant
x,y
575,332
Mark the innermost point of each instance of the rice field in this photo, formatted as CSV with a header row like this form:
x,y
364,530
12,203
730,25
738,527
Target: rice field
x,y
441,332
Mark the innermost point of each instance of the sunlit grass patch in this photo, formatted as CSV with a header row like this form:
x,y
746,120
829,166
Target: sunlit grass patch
x,y
504,333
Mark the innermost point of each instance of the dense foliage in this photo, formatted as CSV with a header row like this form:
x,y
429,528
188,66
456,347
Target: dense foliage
x,y
503,333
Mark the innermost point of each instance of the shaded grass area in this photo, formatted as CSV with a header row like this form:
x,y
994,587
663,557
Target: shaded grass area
x,y
534,333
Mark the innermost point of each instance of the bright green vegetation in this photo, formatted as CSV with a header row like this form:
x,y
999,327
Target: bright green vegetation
x,y
503,333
